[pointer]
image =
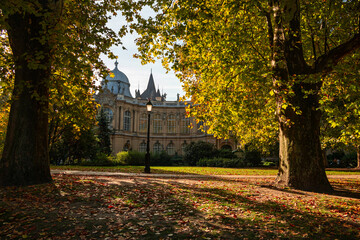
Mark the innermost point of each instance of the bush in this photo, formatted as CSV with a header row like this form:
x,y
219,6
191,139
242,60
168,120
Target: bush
x,y
101,159
222,162
340,159
177,160
133,158
253,158
225,153
160,159
349,160
198,150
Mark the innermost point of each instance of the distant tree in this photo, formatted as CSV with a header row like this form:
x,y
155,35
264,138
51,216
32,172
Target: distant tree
x,y
104,133
73,146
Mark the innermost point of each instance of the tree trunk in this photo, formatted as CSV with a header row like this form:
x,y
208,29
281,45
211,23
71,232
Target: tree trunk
x,y
358,157
301,163
301,157
25,158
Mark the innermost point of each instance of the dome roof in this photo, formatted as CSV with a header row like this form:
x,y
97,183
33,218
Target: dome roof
x,y
117,75
117,82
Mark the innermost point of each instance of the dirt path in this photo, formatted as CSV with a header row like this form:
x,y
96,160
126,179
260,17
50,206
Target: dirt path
x,y
187,176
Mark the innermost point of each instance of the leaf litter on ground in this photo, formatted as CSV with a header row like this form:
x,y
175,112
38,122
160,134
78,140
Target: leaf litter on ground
x,y
99,207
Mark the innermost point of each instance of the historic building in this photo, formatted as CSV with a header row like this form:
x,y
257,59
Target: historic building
x,y
169,128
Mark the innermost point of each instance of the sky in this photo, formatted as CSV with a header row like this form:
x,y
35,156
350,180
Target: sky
x,y
137,73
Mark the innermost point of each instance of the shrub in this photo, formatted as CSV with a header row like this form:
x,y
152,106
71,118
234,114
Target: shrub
x,y
225,153
160,159
133,158
198,150
341,159
101,159
221,162
253,158
177,160
349,160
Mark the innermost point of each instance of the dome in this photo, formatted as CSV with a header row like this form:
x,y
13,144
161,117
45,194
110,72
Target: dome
x,y
117,82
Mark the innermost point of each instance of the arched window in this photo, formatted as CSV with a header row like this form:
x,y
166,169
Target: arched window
x,y
157,148
143,122
171,124
127,120
185,124
170,149
157,123
142,147
226,147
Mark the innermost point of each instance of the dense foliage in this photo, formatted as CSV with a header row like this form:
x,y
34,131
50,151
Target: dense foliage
x,y
255,68
104,132
49,64
194,151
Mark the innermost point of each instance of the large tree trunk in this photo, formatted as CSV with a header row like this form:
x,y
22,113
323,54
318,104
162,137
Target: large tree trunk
x,y
301,161
301,157
358,157
25,158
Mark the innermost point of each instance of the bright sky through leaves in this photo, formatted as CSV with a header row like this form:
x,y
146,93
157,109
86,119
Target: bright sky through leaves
x,y
138,74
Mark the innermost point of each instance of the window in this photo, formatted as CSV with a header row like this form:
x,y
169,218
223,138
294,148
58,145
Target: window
x,y
142,147
185,125
157,123
143,122
157,148
226,147
171,124
127,120
170,149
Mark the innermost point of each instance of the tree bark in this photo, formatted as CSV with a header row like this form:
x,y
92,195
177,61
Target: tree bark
x,y
301,157
25,158
358,157
301,163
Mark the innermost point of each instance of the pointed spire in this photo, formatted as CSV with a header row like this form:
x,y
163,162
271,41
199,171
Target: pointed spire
x,y
150,90
116,63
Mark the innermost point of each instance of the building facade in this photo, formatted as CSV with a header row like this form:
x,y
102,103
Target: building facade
x,y
170,129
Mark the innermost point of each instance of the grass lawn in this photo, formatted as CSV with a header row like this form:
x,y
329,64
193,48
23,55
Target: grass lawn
x,y
100,207
194,170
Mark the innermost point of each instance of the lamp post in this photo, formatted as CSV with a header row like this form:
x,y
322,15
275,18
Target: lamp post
x,y
147,155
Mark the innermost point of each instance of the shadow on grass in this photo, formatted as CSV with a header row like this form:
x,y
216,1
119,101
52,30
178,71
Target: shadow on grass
x,y
148,208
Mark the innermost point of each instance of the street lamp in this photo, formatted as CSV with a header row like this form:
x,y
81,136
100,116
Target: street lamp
x,y
147,155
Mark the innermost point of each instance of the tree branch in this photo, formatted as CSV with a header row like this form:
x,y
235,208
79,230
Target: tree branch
x,y
327,61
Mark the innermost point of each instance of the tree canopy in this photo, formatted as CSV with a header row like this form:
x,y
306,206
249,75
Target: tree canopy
x,y
255,68
49,63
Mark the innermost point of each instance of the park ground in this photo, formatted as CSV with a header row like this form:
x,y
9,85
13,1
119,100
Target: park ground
x,y
178,203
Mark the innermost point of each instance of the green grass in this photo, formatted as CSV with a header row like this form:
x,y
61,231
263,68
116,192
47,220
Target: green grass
x,y
193,170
